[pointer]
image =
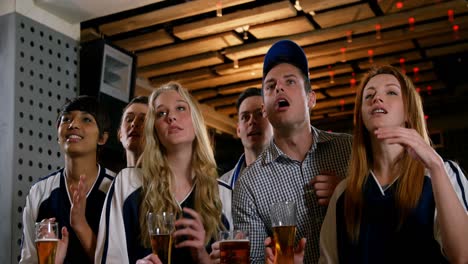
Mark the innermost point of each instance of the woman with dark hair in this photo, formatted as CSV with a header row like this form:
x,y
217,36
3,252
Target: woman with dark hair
x,y
401,203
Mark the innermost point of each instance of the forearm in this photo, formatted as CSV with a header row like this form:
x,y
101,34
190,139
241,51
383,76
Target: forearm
x,y
87,239
452,217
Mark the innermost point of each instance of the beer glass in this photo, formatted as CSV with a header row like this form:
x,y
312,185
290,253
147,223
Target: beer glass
x,y
161,226
234,247
46,241
283,221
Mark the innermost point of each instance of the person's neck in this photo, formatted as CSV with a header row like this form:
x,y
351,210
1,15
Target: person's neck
x,y
180,162
251,155
76,166
384,159
294,142
132,157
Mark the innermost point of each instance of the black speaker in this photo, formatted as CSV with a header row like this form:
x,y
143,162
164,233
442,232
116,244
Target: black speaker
x,y
108,73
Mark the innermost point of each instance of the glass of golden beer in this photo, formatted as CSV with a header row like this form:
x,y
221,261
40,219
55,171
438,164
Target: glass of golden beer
x,y
161,226
234,247
46,241
283,221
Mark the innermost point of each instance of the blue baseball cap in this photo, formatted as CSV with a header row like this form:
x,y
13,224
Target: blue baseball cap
x,y
285,51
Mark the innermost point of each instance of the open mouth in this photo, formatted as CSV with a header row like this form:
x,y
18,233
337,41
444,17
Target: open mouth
x,y
283,103
379,111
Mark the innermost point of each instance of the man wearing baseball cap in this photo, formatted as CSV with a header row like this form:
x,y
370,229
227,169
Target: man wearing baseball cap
x,y
302,164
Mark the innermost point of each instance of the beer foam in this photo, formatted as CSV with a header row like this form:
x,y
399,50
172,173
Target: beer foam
x,y
47,240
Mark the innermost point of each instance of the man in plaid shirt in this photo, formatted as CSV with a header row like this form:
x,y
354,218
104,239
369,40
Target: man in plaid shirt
x,y
302,164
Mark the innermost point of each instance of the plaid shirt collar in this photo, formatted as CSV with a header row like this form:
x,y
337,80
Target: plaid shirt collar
x,y
273,152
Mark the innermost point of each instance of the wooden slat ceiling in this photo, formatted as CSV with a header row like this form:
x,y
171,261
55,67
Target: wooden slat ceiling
x,y
217,57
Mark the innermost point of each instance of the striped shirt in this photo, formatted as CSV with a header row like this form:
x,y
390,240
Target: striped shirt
x,y
275,177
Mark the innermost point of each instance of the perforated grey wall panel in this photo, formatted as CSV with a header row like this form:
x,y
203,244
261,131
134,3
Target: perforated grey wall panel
x,y
46,76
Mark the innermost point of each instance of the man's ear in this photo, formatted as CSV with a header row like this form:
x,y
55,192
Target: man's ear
x,y
238,130
312,99
103,139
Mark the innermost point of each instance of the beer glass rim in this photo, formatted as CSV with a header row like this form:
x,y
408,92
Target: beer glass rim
x,y
231,235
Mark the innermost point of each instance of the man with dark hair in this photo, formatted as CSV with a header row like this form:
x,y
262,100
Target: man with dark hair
x,y
301,164
255,132
74,195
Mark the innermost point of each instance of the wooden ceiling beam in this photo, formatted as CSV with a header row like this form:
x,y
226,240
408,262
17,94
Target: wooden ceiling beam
x,y
318,5
280,28
203,73
216,102
186,49
333,102
215,25
239,87
187,9
339,32
344,15
203,94
180,65
218,121
452,49
145,41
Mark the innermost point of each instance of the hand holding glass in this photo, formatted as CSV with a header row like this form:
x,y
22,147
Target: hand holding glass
x,y
46,241
161,226
234,247
283,221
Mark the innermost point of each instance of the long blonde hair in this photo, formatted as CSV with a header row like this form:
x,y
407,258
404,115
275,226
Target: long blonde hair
x,y
410,183
158,178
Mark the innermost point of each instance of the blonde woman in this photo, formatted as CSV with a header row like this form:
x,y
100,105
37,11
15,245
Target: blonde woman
x,y
401,203
178,174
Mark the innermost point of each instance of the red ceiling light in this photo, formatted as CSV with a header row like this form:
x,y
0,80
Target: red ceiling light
x,y
411,22
450,15
378,35
342,102
343,54
371,55
426,117
349,36
332,74
456,30
399,5
402,65
418,90
416,76
429,89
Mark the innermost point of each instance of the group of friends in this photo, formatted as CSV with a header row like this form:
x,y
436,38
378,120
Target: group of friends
x,y
382,195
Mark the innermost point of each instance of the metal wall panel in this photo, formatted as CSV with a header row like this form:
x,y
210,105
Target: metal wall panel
x,y
45,77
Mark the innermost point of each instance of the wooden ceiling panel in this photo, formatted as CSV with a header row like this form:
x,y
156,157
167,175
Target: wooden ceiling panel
x,y
239,87
361,54
203,94
184,64
334,102
285,27
446,50
195,75
344,15
186,42
219,80
232,21
163,15
145,41
187,49
228,100
447,38
393,6
318,5
393,59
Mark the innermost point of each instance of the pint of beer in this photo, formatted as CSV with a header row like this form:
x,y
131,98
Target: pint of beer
x,y
46,241
234,247
283,220
161,226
